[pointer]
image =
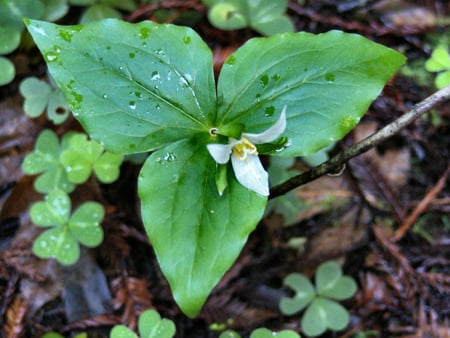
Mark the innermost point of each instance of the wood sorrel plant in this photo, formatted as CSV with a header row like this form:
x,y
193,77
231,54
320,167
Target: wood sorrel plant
x,y
150,87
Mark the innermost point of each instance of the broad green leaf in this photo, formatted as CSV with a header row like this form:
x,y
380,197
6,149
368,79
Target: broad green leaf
x,y
344,288
226,15
54,210
162,74
36,94
121,331
305,293
152,326
107,167
85,224
314,320
327,82
57,243
196,233
327,275
7,71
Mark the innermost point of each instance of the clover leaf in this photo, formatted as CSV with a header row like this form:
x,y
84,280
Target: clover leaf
x,y
440,62
7,71
261,333
150,325
265,16
41,96
61,240
44,160
81,156
322,312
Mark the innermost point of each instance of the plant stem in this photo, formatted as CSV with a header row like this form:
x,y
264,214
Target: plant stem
x,y
361,147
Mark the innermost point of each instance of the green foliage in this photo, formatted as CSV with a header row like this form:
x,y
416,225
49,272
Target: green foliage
x,y
440,62
61,240
150,326
64,165
11,26
322,312
261,333
41,96
164,100
264,16
102,9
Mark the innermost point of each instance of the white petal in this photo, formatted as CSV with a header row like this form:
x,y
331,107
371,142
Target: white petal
x,y
251,174
270,134
220,152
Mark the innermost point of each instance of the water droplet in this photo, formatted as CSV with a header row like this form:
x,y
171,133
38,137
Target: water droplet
x,y
144,32
264,80
329,77
105,96
155,75
269,111
158,107
187,39
231,60
132,104
169,157
51,56
188,77
131,55
65,35
160,52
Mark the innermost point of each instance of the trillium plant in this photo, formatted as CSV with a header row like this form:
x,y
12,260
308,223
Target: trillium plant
x,y
150,88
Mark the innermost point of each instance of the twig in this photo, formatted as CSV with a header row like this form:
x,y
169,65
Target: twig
x,y
421,207
361,147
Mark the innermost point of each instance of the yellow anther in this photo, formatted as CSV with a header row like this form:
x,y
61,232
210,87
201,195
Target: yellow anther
x,y
243,149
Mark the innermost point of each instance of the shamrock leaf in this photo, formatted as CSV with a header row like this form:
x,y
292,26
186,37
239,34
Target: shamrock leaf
x,y
44,160
61,241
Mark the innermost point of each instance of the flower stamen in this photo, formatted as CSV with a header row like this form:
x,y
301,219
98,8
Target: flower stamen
x,y
244,148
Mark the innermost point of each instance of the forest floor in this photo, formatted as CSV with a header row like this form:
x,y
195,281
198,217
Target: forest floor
x,y
384,218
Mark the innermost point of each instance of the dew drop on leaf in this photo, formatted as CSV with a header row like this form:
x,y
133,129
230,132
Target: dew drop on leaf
x,y
329,77
144,33
187,39
132,104
131,55
264,80
269,111
155,76
231,60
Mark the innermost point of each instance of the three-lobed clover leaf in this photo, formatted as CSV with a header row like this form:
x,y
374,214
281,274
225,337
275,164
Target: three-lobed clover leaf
x,y
165,100
264,16
41,96
261,333
150,325
322,311
81,156
440,62
44,160
61,240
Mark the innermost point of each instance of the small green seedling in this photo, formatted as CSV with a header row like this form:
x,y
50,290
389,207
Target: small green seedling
x,y
61,240
322,312
102,9
261,333
150,325
64,165
41,96
440,62
264,16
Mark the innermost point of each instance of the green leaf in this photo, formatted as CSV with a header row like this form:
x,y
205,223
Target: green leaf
x,y
196,233
99,12
107,167
306,73
7,71
265,333
442,80
305,293
53,179
54,9
54,210
314,320
327,275
227,15
121,331
57,243
9,39
344,288
439,61
45,155
267,16
85,224
58,109
152,326
163,80
337,315
36,94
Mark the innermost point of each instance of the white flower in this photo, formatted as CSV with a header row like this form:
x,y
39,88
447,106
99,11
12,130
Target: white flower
x,y
244,156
